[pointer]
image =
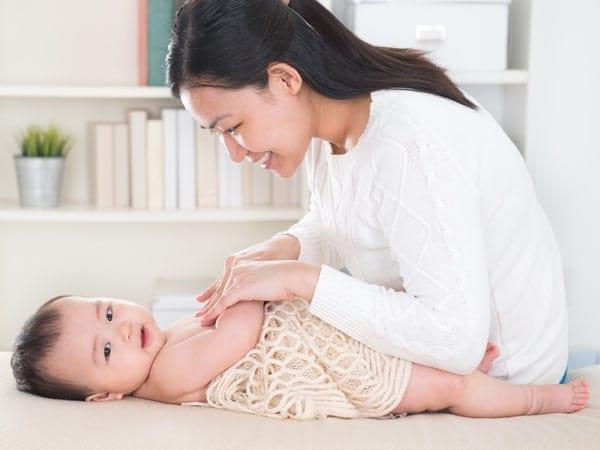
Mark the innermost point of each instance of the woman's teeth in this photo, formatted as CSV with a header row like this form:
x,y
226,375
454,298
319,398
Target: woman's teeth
x,y
263,161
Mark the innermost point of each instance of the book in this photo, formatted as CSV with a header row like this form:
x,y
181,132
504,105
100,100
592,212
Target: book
x,y
206,168
223,175
155,165
160,21
170,178
281,191
186,158
174,298
246,182
177,4
261,186
295,186
142,28
235,180
102,184
137,147
121,166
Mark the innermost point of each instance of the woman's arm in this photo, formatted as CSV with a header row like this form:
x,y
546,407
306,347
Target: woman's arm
x,y
199,359
429,212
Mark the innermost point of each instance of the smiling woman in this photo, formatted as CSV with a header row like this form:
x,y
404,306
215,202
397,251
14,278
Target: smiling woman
x,y
417,191
267,91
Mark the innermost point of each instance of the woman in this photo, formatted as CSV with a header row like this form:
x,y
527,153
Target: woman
x,y
418,192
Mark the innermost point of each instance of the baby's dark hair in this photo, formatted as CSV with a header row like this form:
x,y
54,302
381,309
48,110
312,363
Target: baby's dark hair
x,y
30,352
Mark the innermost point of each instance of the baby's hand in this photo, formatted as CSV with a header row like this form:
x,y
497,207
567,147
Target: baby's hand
x,y
491,353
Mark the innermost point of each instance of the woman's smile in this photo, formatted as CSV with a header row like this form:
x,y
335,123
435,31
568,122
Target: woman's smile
x,y
264,160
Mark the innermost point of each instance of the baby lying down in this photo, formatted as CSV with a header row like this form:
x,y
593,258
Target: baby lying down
x,y
274,359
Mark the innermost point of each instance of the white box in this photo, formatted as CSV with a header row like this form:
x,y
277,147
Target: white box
x,y
459,35
173,299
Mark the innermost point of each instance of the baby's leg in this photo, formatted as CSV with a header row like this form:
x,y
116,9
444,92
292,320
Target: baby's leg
x,y
478,395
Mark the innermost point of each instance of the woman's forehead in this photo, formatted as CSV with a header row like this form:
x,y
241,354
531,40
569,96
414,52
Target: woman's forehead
x,y
207,100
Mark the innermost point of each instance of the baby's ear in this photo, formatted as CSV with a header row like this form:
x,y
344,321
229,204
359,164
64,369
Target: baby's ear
x,y
104,396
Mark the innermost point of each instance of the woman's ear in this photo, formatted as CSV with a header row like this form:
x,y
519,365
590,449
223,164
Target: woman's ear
x,y
104,396
284,78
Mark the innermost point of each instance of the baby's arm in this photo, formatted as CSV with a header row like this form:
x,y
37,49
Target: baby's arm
x,y
200,358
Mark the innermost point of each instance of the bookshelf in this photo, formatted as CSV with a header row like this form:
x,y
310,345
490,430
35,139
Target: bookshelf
x,y
11,212
504,77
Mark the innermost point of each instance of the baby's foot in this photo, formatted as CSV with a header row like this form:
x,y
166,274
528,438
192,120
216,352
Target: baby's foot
x,y
491,353
560,398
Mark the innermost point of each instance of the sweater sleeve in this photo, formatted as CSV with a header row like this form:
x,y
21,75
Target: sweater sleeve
x,y
428,210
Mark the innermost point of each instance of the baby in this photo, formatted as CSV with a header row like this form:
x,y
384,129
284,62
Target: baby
x,y
274,359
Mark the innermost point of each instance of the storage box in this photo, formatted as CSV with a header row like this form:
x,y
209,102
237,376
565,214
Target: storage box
x,y
173,299
460,35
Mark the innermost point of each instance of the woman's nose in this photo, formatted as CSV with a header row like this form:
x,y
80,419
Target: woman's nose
x,y
236,152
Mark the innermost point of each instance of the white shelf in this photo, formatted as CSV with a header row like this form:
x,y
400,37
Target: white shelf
x,y
10,212
499,77
76,92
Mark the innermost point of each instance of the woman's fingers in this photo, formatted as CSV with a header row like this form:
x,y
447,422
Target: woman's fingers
x,y
220,285
207,292
207,323
216,294
224,302
211,301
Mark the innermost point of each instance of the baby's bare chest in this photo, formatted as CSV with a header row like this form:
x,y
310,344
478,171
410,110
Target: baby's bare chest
x,y
180,331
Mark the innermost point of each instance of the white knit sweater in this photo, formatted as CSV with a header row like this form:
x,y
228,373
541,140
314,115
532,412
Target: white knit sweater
x,y
434,214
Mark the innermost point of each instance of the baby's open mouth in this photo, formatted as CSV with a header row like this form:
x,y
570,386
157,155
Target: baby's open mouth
x,y
146,337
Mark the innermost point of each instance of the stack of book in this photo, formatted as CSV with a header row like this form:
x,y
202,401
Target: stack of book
x,y
172,163
175,298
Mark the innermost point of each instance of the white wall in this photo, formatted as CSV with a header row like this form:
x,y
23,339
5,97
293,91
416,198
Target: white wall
x,y
40,261
87,42
122,260
563,148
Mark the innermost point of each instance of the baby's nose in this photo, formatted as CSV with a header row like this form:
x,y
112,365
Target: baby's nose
x,y
126,331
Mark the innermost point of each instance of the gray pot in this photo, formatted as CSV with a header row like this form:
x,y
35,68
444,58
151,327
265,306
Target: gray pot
x,y
40,180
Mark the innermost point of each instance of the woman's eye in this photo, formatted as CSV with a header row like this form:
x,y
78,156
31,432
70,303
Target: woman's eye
x,y
106,350
109,313
232,130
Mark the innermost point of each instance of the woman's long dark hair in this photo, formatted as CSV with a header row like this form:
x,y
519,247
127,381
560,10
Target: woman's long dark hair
x,y
230,43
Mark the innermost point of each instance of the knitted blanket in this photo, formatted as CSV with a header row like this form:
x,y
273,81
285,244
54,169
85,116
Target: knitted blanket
x,y
303,368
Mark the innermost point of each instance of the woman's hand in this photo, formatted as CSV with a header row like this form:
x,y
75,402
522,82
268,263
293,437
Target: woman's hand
x,y
276,248
262,281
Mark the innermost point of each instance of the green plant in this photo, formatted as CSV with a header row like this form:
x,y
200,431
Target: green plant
x,y
48,142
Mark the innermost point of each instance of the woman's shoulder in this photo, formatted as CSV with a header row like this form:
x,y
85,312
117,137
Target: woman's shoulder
x,y
406,112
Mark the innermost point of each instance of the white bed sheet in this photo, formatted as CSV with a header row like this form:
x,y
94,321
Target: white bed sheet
x,y
30,422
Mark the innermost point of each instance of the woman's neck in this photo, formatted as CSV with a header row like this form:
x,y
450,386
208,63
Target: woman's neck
x,y
340,122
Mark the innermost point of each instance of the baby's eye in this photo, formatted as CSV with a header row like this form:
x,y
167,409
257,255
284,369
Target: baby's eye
x,y
106,350
109,313
232,130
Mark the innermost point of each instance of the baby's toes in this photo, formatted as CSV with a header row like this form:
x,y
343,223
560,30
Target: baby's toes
x,y
581,392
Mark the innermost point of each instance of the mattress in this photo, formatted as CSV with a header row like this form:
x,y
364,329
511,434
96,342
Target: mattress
x,y
30,422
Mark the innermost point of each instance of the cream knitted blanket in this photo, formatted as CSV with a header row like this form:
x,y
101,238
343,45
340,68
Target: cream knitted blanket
x,y
303,368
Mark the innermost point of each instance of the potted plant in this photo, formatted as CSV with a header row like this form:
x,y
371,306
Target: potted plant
x,y
40,165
